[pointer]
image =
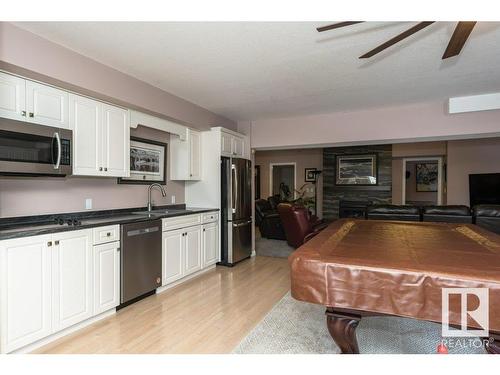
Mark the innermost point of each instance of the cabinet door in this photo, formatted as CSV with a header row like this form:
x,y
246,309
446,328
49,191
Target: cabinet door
x,y
193,249
116,141
72,278
12,97
210,244
106,277
226,144
47,105
25,291
85,121
173,255
194,155
238,147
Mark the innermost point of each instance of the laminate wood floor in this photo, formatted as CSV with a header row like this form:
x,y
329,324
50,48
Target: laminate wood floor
x,y
211,313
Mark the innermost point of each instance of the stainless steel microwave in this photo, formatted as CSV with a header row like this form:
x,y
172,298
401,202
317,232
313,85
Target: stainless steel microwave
x,y
34,150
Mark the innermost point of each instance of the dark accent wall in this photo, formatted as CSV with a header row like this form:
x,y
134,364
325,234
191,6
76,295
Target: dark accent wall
x,y
332,194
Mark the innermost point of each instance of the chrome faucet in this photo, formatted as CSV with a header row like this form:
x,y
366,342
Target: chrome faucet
x,y
163,193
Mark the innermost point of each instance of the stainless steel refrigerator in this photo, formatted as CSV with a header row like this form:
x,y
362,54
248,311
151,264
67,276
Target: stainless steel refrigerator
x,y
236,210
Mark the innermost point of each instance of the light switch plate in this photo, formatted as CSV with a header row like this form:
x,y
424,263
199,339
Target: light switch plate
x,y
173,199
88,203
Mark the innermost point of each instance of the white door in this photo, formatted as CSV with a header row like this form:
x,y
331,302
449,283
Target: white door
x,y
173,255
238,147
47,105
193,249
194,155
72,278
226,144
85,121
210,244
25,291
12,97
116,141
106,277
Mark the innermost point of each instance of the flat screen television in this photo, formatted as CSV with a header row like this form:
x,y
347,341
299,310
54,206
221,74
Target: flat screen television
x,y
484,188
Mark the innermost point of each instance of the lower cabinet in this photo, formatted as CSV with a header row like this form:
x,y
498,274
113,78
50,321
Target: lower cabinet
x,y
106,276
50,282
188,250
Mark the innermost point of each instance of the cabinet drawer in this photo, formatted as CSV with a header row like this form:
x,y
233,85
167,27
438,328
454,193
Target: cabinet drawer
x,y
210,217
180,222
106,234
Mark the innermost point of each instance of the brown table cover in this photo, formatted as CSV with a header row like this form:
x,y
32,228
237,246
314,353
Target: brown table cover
x,y
397,268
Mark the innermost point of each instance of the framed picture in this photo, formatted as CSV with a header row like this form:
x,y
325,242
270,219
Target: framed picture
x,y
309,175
148,162
426,175
356,170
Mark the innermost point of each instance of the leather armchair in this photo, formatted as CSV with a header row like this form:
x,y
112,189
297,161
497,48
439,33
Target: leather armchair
x,y
268,221
298,224
447,214
487,216
262,208
393,212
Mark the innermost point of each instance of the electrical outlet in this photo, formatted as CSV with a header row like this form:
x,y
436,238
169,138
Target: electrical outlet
x,y
88,203
173,199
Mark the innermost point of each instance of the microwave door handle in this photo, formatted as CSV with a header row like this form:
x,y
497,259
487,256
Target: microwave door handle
x,y
58,160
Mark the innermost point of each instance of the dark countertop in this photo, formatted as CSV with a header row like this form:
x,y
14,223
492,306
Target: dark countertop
x,y
26,226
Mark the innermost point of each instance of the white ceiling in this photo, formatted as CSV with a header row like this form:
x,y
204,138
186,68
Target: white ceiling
x,y
250,71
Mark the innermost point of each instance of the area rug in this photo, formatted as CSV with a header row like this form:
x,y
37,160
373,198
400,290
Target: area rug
x,y
271,248
294,327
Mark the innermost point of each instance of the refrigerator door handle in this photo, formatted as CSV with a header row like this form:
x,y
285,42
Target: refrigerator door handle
x,y
242,224
234,188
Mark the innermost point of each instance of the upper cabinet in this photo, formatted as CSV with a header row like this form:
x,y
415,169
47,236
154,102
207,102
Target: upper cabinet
x,y
232,145
29,101
101,134
185,157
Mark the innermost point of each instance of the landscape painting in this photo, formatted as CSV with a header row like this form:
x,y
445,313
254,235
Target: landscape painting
x,y
427,177
356,170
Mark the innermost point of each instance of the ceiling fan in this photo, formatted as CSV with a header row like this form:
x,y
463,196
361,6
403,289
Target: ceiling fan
x,y
457,41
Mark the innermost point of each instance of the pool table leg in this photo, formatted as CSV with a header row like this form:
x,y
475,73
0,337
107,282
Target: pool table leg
x,y
342,328
493,346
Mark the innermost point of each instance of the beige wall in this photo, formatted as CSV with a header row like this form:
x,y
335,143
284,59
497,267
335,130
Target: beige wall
x,y
29,55
467,157
31,196
305,158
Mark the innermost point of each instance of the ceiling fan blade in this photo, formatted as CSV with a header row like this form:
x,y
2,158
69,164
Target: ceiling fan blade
x,y
337,25
458,39
397,38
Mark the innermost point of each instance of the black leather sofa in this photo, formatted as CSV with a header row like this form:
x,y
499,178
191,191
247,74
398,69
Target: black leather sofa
x,y
393,212
447,214
268,220
487,217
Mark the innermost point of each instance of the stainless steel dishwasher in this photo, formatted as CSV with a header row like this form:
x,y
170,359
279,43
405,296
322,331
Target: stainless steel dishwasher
x,y
140,259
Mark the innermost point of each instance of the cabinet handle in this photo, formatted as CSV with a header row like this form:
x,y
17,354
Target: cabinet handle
x,y
106,169
23,113
32,114
190,175
100,168
56,242
49,244
108,234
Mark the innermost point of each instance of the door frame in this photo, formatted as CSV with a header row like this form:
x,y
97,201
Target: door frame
x,y
439,160
271,165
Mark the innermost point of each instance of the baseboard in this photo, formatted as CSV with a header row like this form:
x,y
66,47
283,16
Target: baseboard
x,y
46,340
184,279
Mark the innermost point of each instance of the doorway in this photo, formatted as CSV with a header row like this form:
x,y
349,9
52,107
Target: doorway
x,y
283,180
422,181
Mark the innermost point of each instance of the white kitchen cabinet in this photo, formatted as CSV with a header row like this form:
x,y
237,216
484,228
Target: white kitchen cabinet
x,y
192,250
173,255
101,136
12,97
210,244
106,276
72,278
25,292
185,157
116,141
232,145
46,105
